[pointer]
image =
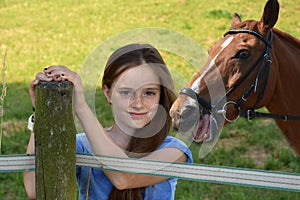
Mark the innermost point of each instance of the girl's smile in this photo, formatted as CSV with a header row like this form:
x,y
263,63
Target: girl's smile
x,y
137,115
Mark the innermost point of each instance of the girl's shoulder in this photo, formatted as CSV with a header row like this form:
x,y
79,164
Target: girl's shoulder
x,y
172,142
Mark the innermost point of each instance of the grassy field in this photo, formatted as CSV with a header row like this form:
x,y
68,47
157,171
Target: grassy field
x,y
39,33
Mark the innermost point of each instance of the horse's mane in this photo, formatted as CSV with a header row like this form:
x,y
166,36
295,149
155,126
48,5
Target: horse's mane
x,y
287,37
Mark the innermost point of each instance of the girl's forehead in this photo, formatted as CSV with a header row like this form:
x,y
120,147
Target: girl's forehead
x,y
138,77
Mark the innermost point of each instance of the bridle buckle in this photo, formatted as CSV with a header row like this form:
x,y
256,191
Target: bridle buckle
x,y
250,114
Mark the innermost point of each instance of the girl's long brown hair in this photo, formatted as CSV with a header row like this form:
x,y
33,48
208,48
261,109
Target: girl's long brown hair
x,y
121,60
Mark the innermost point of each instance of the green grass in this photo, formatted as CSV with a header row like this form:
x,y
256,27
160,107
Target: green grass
x,y
39,33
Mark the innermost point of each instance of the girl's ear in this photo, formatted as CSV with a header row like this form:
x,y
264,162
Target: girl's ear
x,y
107,93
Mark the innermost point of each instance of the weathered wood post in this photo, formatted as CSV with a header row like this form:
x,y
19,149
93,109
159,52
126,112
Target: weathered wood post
x,y
55,142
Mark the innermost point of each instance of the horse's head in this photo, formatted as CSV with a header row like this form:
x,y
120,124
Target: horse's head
x,y
234,76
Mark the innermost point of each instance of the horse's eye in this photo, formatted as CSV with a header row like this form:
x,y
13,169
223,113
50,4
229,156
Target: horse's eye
x,y
242,54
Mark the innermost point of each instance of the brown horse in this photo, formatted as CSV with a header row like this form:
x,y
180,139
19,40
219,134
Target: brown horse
x,y
259,66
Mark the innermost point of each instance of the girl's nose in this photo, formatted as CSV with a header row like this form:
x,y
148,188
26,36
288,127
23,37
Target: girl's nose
x,y
137,101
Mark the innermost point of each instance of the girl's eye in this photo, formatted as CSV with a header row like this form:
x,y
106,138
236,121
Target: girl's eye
x,y
150,93
125,93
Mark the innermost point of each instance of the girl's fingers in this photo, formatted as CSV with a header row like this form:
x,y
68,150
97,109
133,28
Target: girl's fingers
x,y
43,77
59,78
32,91
63,77
52,73
60,73
55,70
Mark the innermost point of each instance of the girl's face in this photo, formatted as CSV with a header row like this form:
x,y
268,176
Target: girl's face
x,y
135,97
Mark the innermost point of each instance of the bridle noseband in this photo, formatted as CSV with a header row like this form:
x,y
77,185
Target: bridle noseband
x,y
264,69
191,93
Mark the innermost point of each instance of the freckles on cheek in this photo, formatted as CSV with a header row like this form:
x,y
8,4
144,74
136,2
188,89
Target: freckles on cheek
x,y
152,110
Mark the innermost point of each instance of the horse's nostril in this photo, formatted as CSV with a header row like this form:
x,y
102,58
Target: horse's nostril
x,y
177,115
176,120
174,114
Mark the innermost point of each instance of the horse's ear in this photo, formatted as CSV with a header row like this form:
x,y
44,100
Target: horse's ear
x,y
269,17
236,19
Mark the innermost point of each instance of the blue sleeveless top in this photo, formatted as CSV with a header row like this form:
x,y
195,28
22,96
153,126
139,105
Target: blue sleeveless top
x,y
100,186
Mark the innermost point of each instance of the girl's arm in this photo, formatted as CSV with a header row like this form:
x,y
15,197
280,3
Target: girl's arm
x,y
101,143
29,176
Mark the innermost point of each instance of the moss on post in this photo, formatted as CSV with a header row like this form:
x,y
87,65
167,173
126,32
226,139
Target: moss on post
x,y
55,141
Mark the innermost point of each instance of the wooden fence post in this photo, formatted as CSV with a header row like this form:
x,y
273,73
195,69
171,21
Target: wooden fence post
x,y
55,142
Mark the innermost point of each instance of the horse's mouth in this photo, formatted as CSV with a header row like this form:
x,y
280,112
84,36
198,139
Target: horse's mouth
x,y
201,131
200,127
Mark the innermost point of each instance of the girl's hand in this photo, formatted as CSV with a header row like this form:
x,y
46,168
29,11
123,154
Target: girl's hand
x,y
58,73
39,76
61,73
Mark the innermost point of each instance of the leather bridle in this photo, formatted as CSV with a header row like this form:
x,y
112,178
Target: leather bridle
x,y
260,81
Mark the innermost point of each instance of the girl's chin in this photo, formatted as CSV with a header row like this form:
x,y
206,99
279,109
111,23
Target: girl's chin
x,y
139,123
133,124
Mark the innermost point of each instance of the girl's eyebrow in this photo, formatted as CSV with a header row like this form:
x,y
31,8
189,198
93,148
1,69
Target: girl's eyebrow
x,y
151,88
125,88
131,89
144,88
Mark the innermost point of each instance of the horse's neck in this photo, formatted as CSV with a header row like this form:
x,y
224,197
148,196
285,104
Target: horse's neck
x,y
286,61
286,85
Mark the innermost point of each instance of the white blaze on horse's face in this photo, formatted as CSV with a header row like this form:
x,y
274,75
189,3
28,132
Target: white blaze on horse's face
x,y
185,111
211,66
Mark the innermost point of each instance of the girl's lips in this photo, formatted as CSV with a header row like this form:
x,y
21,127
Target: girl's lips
x,y
135,115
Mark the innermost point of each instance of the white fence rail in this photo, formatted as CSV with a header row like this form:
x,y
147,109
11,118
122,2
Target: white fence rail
x,y
196,172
